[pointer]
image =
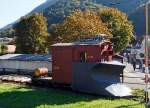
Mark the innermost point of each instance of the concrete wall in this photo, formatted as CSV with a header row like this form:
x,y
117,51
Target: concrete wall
x,y
25,65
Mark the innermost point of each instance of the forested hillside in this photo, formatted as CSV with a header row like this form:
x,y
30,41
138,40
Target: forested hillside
x,y
127,6
62,8
138,19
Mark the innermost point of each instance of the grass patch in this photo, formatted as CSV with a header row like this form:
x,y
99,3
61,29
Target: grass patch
x,y
138,95
18,96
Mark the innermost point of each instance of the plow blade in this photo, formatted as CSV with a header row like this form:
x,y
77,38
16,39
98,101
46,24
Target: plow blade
x,y
100,78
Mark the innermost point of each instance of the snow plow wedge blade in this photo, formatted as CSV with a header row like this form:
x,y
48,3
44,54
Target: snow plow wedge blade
x,y
100,78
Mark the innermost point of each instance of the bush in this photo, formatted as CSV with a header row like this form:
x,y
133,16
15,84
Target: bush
x,y
3,49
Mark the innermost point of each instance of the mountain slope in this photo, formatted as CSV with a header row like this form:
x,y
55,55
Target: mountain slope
x,y
62,8
43,6
127,6
138,18
56,10
134,9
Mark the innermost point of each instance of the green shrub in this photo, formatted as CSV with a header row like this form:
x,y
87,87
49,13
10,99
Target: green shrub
x,y
3,49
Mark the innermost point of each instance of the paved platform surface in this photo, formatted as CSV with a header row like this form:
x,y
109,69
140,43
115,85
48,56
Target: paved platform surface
x,y
134,79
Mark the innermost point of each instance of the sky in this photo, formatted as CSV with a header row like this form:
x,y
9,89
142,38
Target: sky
x,y
11,10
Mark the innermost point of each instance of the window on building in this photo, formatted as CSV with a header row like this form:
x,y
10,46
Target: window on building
x,y
83,56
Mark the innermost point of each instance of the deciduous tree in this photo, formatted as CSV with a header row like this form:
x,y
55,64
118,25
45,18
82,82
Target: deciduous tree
x,y
119,26
78,24
31,32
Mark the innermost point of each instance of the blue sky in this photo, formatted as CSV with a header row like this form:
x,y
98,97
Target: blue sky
x,y
11,10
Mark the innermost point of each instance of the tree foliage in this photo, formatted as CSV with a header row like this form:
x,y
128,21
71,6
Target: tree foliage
x,y
109,21
78,24
31,32
119,26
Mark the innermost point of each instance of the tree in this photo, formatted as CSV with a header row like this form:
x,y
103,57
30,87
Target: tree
x,y
78,24
31,32
119,26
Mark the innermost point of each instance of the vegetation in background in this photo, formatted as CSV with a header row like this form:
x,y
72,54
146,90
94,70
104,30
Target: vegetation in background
x,y
78,24
32,35
10,32
119,26
17,96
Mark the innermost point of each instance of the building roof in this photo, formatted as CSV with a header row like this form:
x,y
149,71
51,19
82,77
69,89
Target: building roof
x,y
26,57
81,43
87,40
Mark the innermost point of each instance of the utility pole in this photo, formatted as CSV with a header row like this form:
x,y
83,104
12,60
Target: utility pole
x,y
146,56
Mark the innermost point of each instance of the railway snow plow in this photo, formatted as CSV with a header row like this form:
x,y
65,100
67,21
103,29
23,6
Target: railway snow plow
x,y
88,66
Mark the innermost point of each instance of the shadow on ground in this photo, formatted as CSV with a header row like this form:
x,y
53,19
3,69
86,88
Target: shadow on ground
x,y
31,98
27,97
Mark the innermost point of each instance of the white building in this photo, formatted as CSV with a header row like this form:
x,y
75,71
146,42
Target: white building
x,y
25,63
6,40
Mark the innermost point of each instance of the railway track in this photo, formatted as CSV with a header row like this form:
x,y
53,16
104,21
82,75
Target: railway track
x,y
132,79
